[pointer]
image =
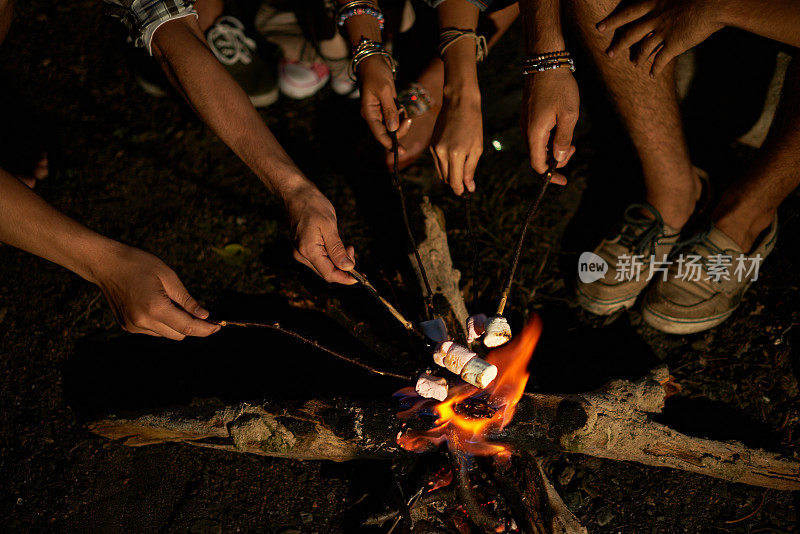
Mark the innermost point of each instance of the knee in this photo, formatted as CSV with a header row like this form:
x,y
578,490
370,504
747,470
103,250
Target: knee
x,y
589,11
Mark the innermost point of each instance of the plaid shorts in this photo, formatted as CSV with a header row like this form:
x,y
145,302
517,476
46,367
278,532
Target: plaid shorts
x,y
143,17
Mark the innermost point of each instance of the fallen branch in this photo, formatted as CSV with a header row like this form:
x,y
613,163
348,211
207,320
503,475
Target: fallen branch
x,y
434,253
611,422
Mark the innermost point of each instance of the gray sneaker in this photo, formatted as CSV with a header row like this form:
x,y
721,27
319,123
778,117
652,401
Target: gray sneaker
x,y
705,282
628,255
254,70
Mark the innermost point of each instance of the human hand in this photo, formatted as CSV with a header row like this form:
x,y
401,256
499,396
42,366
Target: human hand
x,y
316,236
457,142
147,297
550,107
663,29
378,106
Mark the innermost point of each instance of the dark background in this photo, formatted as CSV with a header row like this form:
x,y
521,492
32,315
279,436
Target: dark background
x,y
145,171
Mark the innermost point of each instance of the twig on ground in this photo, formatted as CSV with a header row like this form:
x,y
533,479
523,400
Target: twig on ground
x,y
751,514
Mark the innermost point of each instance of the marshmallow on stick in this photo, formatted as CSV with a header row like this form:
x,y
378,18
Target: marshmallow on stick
x,y
431,387
479,372
476,326
452,356
459,360
498,332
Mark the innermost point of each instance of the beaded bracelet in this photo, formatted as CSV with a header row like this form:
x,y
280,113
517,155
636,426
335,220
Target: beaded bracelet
x,y
358,7
548,61
415,99
366,48
448,37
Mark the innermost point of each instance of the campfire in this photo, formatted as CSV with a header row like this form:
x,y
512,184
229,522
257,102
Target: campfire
x,y
467,417
482,473
465,422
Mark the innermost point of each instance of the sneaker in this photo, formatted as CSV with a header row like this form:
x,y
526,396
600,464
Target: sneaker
x,y
628,255
343,85
239,53
298,80
706,283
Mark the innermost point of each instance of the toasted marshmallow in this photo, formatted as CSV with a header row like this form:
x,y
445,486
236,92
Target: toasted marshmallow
x,y
498,332
441,352
479,373
457,357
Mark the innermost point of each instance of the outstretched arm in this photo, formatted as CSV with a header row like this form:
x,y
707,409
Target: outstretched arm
x,y
146,296
550,101
181,49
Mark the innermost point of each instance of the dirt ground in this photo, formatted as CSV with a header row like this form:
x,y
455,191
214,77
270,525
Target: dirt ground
x,y
145,171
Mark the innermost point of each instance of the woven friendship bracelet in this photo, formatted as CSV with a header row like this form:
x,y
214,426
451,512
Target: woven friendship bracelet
x,y
365,49
448,37
358,7
549,61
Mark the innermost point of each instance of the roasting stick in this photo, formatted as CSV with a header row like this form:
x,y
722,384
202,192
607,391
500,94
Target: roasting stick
x,y
278,328
497,331
408,325
532,207
429,310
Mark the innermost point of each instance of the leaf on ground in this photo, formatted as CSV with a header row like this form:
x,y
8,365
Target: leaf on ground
x,y
233,254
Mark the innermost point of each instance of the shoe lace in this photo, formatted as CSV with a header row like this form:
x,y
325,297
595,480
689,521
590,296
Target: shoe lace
x,y
699,239
229,43
641,233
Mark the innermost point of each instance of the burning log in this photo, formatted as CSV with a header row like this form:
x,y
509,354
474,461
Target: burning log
x,y
611,422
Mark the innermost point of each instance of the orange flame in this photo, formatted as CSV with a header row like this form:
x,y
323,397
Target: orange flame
x,y
462,432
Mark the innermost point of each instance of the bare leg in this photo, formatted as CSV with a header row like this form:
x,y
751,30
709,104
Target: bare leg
x,y
6,16
208,11
649,111
418,138
749,205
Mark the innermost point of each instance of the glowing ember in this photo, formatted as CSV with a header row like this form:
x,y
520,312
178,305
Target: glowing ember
x,y
468,415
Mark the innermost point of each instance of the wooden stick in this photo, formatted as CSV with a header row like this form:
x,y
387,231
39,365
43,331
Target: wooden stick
x,y
408,325
429,310
278,328
532,207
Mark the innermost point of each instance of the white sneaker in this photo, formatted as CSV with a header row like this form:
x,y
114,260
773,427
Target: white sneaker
x,y
342,85
299,81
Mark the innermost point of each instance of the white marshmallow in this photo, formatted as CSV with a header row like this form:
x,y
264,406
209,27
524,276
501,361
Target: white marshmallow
x,y
498,332
457,357
441,352
479,373
431,387
476,326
